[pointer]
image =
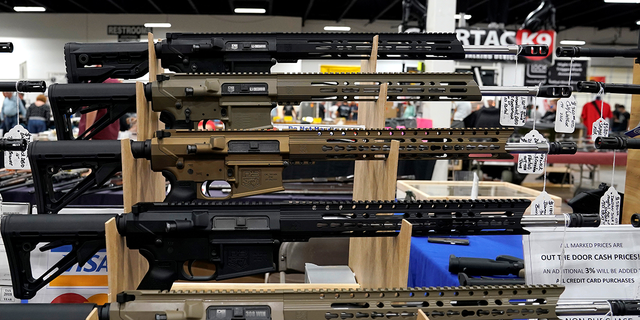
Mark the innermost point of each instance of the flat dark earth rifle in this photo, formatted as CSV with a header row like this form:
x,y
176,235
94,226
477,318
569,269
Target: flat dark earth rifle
x,y
258,52
477,302
243,238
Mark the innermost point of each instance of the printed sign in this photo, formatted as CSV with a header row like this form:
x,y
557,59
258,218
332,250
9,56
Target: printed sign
x,y
599,263
496,37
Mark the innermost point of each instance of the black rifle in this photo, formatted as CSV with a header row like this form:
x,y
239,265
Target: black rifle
x,y
466,280
103,157
616,143
576,52
13,144
23,86
67,99
6,47
595,87
502,265
254,52
239,238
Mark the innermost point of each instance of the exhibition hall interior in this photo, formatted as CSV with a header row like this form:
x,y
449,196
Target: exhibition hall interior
x,y
319,160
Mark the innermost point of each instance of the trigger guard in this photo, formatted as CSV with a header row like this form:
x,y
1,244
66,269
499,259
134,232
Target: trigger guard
x,y
191,277
203,196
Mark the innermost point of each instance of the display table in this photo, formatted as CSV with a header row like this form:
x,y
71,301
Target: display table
x,y
451,190
429,262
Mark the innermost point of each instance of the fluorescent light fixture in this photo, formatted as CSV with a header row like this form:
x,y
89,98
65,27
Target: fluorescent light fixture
x,y
638,22
572,42
622,1
29,9
467,16
157,25
250,10
337,28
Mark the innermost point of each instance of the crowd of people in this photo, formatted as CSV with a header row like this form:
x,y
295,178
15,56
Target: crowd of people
x,y
14,111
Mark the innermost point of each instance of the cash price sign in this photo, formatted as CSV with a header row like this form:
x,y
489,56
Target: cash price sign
x,y
594,264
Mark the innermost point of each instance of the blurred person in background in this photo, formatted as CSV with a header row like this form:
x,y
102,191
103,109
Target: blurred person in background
x,y
354,110
591,112
344,111
289,111
620,119
38,115
409,111
461,110
550,115
10,108
110,132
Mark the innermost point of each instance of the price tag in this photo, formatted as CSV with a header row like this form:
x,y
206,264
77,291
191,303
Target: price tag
x,y
610,207
600,128
542,205
532,162
17,159
513,111
566,115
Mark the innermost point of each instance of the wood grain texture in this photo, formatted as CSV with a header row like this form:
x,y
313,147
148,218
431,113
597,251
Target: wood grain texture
x,y
126,267
632,181
260,286
421,315
93,315
378,262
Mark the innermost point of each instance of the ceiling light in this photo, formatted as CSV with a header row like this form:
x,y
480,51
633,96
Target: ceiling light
x,y
467,16
157,25
572,42
29,9
638,22
622,1
337,28
250,10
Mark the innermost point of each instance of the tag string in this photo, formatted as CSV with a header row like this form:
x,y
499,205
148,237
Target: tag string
x,y
613,170
544,175
599,94
562,245
535,106
570,67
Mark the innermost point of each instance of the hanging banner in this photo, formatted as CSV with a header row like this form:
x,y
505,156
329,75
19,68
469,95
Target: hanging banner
x,y
496,37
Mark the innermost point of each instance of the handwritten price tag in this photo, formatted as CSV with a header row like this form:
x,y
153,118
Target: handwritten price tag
x,y
610,207
532,162
566,115
513,111
542,205
17,159
600,128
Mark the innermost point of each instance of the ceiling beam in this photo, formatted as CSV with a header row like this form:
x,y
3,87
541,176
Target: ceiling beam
x,y
306,12
79,6
153,4
372,20
6,6
577,15
270,7
345,10
193,6
117,6
231,7
520,4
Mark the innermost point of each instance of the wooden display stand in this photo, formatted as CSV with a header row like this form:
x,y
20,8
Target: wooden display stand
x,y
140,184
632,181
378,262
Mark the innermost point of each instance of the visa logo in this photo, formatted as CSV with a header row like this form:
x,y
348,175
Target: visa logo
x,y
92,274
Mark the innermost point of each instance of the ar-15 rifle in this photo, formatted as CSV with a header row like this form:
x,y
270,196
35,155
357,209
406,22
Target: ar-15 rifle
x,y
616,143
252,161
596,87
258,52
23,86
244,101
6,47
478,302
243,239
576,52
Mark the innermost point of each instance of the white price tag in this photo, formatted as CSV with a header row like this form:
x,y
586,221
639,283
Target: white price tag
x,y
600,129
542,205
532,162
566,115
513,111
17,159
610,207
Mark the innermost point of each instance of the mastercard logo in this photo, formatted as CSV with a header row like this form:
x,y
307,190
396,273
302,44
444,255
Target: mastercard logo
x,y
100,298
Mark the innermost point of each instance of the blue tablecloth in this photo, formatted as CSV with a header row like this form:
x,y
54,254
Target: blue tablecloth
x,y
429,262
